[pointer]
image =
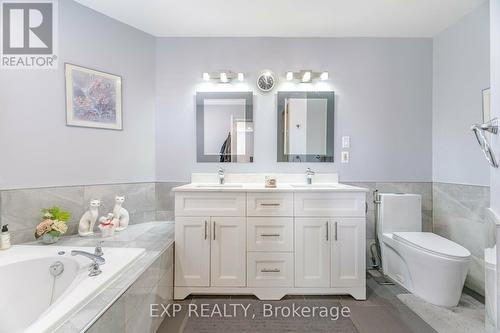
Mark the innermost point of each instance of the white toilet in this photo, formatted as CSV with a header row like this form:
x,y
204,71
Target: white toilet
x,y
430,266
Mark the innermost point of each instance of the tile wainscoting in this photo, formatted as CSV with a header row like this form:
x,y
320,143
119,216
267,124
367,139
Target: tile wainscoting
x,y
454,211
459,214
20,208
165,201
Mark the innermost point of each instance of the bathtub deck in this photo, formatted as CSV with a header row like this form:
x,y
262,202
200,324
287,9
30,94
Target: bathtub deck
x,y
155,237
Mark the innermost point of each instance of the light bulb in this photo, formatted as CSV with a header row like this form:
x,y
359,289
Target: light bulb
x,y
289,76
324,76
306,77
223,77
241,76
206,77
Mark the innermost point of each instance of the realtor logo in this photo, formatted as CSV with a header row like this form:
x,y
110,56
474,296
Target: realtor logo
x,y
29,34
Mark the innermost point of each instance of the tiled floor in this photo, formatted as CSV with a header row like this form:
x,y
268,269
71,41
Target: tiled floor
x,y
381,312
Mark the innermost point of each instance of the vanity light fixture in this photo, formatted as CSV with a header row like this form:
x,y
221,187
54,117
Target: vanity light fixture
x,y
223,76
306,76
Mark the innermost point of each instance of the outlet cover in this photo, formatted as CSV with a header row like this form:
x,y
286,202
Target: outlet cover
x,y
344,157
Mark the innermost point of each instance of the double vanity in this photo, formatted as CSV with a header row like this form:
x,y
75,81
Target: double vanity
x,y
238,237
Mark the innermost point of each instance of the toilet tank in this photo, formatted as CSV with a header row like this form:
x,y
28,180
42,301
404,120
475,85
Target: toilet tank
x,y
399,212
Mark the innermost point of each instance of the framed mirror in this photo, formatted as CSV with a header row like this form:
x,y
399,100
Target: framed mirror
x,y
224,127
305,126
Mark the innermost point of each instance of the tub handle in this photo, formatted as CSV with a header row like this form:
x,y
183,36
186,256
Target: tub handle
x,y
98,249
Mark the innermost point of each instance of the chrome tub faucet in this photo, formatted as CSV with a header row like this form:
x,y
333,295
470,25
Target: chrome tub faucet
x,y
97,259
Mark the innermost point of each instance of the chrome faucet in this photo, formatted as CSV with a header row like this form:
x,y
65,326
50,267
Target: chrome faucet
x,y
94,268
221,176
309,174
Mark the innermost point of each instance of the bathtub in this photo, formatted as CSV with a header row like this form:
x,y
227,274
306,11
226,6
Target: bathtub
x,y
32,300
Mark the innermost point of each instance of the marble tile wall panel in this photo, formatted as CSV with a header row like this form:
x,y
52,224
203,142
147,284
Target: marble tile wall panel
x,y
131,312
460,215
139,198
20,208
165,201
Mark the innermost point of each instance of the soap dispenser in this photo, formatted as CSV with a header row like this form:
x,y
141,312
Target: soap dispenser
x,y
5,238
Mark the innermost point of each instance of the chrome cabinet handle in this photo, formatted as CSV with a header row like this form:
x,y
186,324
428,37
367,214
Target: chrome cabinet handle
x,y
274,270
336,229
214,230
270,235
326,223
205,229
271,204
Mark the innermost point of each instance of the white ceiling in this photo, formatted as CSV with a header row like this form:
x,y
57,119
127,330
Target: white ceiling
x,y
287,18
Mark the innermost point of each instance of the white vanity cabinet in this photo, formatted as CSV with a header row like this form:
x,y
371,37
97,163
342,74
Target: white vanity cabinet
x,y
329,252
210,251
347,244
228,252
269,242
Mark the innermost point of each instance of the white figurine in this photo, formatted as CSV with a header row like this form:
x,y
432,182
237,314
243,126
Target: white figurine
x,y
121,216
87,221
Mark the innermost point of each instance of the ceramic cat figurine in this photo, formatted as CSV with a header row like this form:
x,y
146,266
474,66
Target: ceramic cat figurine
x,y
121,216
87,221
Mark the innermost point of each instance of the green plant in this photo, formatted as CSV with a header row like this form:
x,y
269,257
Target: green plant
x,y
53,222
55,213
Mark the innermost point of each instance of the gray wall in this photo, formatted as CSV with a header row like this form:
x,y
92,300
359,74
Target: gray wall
x,y
495,103
461,192
36,146
495,107
461,70
383,101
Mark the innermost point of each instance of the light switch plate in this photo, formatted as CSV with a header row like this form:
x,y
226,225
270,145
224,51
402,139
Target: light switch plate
x,y
345,157
346,142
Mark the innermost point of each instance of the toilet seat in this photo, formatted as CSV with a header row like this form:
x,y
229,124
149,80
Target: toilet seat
x,y
434,244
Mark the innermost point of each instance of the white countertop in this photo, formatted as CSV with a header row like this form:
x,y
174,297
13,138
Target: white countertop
x,y
259,187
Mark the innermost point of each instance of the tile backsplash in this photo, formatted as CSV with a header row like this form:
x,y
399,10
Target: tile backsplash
x,y
456,212
460,215
20,208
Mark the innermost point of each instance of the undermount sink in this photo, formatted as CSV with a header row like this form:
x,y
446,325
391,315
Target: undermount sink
x,y
315,185
219,185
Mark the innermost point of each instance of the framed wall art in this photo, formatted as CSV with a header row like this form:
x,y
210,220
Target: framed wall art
x,y
93,98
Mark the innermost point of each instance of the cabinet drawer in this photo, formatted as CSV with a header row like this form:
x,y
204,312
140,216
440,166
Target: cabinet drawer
x,y
270,204
270,234
343,204
210,204
269,269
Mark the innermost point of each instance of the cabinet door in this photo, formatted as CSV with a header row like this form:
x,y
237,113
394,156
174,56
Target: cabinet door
x,y
192,251
228,266
312,252
348,252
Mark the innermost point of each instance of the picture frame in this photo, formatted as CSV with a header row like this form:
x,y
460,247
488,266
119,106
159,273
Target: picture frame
x,y
93,98
486,105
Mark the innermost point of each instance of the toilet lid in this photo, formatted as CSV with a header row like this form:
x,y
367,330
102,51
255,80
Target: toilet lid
x,y
434,243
